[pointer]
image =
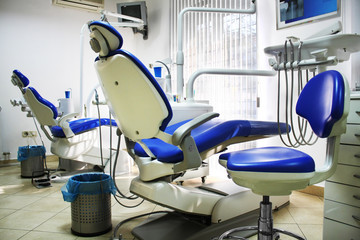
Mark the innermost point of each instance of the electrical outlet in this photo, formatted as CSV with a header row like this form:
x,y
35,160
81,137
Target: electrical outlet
x,y
26,134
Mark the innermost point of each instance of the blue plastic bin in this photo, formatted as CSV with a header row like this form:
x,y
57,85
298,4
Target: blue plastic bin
x,y
90,197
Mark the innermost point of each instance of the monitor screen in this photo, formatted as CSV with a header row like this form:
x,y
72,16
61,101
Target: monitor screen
x,y
132,9
292,12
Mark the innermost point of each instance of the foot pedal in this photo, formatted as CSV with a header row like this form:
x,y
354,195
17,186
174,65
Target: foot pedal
x,y
41,183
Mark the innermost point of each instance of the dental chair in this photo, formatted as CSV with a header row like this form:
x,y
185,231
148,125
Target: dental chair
x,y
71,139
274,171
162,153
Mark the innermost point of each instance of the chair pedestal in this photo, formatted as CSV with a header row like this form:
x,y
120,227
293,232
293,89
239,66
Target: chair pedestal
x,y
265,225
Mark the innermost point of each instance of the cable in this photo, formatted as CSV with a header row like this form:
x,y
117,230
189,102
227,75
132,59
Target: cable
x,y
113,176
98,110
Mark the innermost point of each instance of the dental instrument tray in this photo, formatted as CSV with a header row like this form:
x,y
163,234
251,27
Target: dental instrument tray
x,y
338,45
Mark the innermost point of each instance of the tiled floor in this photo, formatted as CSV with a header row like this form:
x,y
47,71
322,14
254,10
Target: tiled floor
x,y
30,213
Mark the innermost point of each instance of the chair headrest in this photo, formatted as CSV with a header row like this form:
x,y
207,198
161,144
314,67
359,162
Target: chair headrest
x,y
104,38
19,79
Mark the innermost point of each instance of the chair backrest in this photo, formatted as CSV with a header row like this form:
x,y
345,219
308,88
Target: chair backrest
x,y
136,100
44,111
324,102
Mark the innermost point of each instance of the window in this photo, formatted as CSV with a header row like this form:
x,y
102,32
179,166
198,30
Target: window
x,y
218,40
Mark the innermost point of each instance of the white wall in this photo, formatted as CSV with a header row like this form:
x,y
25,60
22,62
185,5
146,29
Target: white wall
x,y
43,41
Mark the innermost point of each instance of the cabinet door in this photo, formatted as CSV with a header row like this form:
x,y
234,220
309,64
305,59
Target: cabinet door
x,y
339,231
352,135
349,154
342,193
342,213
346,174
354,112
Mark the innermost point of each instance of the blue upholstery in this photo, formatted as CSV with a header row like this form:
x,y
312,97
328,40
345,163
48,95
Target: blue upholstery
x,y
207,136
269,159
81,125
321,102
24,80
77,126
44,101
312,100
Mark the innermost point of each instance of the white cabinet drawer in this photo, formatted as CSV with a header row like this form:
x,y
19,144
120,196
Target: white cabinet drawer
x,y
349,154
354,112
347,175
342,193
352,135
342,213
338,231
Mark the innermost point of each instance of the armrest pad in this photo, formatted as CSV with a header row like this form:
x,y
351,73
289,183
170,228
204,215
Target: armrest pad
x,y
185,129
64,124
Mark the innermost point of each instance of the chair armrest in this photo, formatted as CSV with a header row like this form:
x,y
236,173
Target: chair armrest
x,y
63,122
185,129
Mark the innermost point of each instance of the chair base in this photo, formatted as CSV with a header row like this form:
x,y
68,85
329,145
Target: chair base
x,y
265,225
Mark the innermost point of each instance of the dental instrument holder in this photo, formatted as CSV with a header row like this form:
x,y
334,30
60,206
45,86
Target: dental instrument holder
x,y
315,54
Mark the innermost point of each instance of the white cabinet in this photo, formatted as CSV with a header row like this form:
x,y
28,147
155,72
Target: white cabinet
x,y
342,190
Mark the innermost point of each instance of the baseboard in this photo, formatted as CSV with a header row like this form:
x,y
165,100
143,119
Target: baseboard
x,y
10,162
314,190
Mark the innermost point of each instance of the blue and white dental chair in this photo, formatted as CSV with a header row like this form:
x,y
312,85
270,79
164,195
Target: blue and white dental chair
x,y
71,139
161,152
275,171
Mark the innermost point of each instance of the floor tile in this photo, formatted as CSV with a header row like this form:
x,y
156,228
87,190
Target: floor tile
x,y
60,223
312,231
46,236
298,199
48,205
307,215
11,234
17,202
283,216
6,212
25,220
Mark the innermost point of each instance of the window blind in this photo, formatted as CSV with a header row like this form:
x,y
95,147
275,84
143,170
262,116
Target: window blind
x,y
218,40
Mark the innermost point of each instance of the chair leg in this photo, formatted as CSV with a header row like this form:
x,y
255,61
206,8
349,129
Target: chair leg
x,y
265,225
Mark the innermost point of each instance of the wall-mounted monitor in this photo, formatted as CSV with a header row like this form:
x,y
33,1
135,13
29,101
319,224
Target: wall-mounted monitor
x,y
133,9
293,12
137,10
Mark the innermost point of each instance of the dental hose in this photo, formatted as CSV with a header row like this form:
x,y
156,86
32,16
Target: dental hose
x,y
98,110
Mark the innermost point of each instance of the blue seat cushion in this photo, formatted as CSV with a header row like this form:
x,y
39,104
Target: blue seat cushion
x,y
82,125
208,135
269,159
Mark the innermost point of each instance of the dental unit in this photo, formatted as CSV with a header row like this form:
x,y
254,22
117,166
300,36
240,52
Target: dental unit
x,y
164,152
73,140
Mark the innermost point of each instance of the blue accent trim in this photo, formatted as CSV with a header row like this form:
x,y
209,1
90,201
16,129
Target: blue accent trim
x,y
82,125
110,29
322,101
25,81
269,159
44,101
151,78
207,136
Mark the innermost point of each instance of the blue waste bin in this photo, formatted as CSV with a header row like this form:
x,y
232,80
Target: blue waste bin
x,y
90,197
31,159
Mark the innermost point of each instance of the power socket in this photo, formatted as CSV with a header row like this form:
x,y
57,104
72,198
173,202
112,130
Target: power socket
x,y
26,134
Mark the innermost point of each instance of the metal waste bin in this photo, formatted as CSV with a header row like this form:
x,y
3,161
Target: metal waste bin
x,y
31,159
90,198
